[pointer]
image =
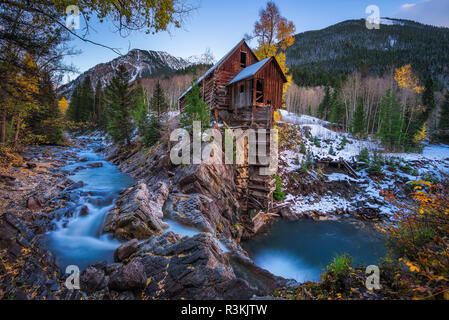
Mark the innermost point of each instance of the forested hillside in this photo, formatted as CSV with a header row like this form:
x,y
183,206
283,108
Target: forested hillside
x,y
321,57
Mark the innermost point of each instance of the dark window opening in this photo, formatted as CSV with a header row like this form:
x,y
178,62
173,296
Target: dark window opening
x,y
242,88
243,59
259,91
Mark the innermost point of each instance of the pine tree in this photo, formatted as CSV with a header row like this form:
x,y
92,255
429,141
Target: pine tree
x,y
74,106
120,102
337,113
86,101
325,105
46,120
152,131
364,158
390,122
99,116
158,102
419,120
140,114
376,166
196,109
428,99
358,125
443,126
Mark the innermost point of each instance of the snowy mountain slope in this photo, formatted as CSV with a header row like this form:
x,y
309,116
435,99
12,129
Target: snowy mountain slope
x,y
139,63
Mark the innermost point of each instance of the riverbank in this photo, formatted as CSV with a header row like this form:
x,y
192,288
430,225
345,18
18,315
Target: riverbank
x,y
177,229
30,195
42,202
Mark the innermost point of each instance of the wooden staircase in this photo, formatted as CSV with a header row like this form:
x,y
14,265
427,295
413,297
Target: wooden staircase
x,y
256,190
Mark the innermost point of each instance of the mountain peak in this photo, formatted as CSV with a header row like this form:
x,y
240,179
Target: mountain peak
x,y
139,63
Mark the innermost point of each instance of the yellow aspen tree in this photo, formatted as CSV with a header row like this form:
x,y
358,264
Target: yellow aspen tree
x,y
274,34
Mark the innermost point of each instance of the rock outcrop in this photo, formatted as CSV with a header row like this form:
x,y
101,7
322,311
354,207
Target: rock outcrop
x,y
136,215
188,268
125,250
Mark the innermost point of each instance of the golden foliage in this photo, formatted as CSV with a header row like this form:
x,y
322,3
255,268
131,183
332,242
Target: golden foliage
x,y
63,105
406,79
277,116
274,32
421,134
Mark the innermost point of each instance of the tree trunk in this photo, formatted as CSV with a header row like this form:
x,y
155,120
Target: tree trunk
x,y
3,128
16,136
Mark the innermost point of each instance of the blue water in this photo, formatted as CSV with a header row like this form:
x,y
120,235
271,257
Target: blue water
x,y
78,240
301,250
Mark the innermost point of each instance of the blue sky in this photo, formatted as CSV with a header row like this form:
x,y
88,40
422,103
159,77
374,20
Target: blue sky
x,y
219,25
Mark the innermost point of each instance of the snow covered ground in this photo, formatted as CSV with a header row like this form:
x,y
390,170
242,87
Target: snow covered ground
x,y
366,191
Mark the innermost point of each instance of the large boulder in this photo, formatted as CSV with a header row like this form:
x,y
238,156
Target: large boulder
x,y
125,250
93,279
34,204
189,268
190,210
135,215
129,277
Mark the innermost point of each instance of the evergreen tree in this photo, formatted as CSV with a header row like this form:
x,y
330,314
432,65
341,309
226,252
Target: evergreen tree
x,y
120,102
428,99
443,126
390,122
358,125
196,109
140,114
158,102
152,132
418,123
364,158
74,107
99,116
376,166
46,120
86,101
325,105
337,112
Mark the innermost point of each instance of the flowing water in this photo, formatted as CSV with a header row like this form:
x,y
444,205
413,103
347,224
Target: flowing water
x,y
302,249
296,250
78,240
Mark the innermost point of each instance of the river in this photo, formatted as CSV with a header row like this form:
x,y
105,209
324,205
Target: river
x,y
295,250
78,239
301,250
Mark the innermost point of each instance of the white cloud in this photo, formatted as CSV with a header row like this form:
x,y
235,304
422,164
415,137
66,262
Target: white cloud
x,y
408,5
434,12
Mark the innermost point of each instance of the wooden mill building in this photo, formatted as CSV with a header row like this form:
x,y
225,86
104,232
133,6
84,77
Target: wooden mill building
x,y
243,92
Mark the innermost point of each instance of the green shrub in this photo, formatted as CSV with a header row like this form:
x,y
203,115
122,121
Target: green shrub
x,y
307,165
152,132
391,164
340,265
278,194
336,279
376,165
343,143
303,149
406,168
430,178
364,158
